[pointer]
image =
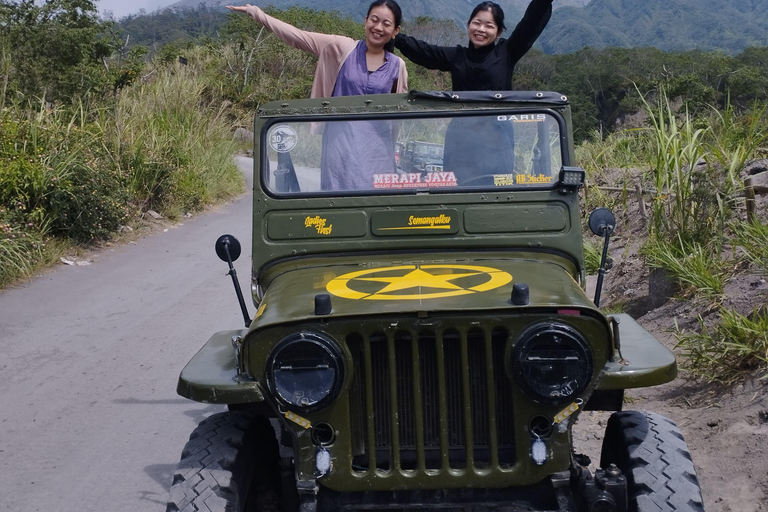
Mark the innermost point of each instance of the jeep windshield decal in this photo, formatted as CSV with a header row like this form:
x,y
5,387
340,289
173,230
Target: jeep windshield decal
x,y
514,150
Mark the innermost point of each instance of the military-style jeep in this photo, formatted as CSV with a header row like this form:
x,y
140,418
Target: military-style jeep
x,y
424,340
420,156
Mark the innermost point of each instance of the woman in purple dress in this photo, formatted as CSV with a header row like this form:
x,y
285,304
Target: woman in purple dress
x,y
352,152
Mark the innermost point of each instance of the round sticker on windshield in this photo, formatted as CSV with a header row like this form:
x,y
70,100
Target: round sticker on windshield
x,y
282,138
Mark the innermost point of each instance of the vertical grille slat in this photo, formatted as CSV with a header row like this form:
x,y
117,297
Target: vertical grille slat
x,y
430,386
493,437
418,404
394,388
476,365
381,414
452,362
505,415
456,382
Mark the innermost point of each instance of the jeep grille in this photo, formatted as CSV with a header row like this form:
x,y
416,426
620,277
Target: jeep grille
x,y
428,400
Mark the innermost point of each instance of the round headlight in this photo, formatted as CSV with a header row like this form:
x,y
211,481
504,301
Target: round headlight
x,y
305,371
552,363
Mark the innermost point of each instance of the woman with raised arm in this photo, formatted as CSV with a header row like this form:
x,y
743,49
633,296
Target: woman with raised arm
x,y
352,152
488,61
347,67
476,150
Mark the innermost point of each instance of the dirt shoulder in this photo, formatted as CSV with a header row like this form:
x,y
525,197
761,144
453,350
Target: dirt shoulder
x,y
726,429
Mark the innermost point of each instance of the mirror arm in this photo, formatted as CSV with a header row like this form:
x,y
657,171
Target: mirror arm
x,y
232,272
607,229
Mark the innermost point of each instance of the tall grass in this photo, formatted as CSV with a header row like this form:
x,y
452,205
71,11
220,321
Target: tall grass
x,y
174,137
753,238
676,148
592,256
736,345
700,272
76,174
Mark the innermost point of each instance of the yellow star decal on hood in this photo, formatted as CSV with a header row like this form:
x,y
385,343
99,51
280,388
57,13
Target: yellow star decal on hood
x,y
422,281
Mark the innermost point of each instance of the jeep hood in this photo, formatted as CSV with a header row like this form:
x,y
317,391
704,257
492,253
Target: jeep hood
x,y
398,287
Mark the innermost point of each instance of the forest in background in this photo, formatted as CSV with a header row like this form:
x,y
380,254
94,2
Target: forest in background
x,y
600,82
669,25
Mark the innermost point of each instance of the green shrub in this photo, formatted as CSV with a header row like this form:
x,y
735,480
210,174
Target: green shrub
x,y
21,243
63,176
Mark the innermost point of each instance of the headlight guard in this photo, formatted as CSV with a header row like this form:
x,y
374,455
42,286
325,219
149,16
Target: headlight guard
x,y
552,363
305,371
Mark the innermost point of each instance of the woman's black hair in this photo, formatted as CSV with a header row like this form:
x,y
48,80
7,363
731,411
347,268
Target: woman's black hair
x,y
496,11
395,8
392,6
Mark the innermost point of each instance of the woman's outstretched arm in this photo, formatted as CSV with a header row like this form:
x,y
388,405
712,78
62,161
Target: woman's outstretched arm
x,y
424,54
312,42
529,28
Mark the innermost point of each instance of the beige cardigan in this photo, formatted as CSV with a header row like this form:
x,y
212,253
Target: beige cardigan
x,y
331,51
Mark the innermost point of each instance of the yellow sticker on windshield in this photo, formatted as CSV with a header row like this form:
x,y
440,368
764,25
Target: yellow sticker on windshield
x,y
417,282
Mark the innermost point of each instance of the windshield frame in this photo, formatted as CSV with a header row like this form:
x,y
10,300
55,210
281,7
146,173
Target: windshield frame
x,y
263,158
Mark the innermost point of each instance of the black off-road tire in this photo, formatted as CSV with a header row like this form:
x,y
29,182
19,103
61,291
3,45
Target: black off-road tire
x,y
229,464
651,452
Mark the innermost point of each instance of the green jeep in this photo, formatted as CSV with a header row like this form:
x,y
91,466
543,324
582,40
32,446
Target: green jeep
x,y
420,156
424,340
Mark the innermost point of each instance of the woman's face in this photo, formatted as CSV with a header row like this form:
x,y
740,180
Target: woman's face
x,y
482,29
380,27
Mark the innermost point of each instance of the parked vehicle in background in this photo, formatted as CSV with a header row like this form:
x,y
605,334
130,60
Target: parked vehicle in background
x,y
419,156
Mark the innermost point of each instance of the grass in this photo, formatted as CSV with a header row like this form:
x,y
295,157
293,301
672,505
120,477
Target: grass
x,y
174,136
753,238
700,272
735,346
592,256
74,175
696,166
676,147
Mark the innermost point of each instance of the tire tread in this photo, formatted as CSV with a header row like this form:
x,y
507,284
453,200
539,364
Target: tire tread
x,y
652,453
215,463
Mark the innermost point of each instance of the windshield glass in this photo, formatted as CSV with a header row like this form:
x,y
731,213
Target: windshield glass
x,y
491,151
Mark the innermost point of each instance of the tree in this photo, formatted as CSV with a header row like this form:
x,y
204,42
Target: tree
x,y
52,51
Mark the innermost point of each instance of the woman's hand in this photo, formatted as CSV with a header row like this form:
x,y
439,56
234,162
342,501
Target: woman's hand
x,y
238,8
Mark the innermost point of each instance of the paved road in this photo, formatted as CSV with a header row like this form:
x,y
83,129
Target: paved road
x,y
89,358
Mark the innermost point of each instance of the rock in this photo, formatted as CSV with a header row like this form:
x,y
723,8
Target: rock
x,y
244,135
661,287
83,263
124,229
154,214
66,261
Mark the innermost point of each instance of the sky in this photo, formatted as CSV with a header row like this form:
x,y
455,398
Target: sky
x,y
122,8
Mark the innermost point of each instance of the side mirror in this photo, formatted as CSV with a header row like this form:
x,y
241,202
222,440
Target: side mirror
x,y
602,220
228,247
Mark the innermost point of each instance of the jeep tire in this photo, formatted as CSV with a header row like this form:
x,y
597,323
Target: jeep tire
x,y
651,453
229,464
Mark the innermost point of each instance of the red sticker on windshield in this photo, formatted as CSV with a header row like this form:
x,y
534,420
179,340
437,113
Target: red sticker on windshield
x,y
414,180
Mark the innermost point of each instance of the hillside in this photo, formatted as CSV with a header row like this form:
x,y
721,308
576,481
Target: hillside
x,y
457,10
669,25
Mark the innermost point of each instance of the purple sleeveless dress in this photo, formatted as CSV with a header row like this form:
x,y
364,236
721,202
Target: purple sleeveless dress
x,y
354,151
